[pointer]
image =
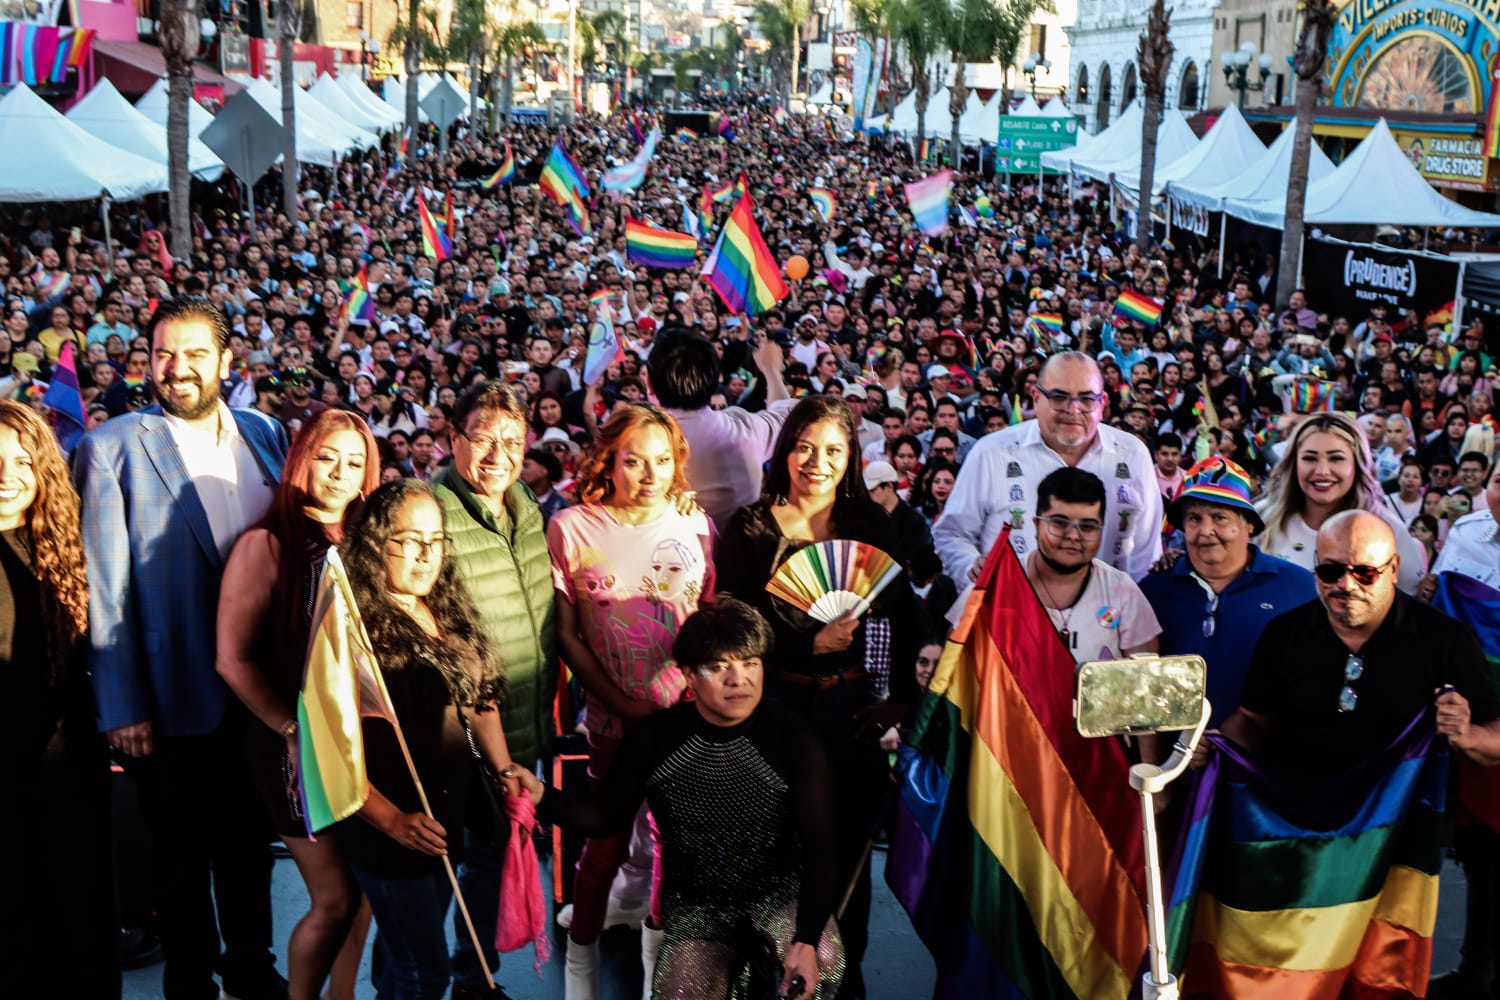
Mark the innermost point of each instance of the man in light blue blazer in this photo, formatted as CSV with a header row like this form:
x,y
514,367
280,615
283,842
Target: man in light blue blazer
x,y
166,491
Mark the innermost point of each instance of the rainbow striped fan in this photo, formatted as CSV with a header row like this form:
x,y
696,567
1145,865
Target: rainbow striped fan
x,y
829,578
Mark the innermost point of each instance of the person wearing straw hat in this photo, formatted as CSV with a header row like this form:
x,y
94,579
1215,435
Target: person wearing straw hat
x,y
1216,601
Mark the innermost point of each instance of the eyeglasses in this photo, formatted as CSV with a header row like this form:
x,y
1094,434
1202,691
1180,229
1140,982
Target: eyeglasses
x,y
1365,576
485,443
1062,402
412,547
1354,669
1211,617
1059,526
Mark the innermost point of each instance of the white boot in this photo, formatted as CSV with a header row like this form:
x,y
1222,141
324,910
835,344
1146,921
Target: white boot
x,y
581,971
650,948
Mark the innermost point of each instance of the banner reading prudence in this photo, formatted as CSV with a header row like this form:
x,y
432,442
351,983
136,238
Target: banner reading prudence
x,y
1351,278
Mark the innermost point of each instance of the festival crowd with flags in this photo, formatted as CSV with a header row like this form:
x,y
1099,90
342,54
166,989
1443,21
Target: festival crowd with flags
x,y
705,511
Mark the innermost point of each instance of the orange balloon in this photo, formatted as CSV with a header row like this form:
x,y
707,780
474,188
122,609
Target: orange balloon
x,y
796,267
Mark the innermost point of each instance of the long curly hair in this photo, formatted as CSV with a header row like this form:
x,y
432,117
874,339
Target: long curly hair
x,y
594,482
1284,496
394,633
54,537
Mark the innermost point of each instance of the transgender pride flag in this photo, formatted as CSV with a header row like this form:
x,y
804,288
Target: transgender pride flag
x,y
929,202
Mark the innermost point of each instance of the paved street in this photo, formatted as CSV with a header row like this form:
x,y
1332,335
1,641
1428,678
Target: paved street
x,y
898,967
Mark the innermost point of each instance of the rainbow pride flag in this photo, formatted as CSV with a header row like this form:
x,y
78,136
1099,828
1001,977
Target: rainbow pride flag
x,y
686,135
341,685
504,174
1042,327
1477,605
1492,124
655,247
706,211
1133,305
435,242
824,201
780,116
741,268
564,184
1291,884
928,199
360,306
1310,395
722,194
1017,846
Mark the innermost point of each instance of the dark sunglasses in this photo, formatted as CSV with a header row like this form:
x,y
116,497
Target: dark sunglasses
x,y
1365,576
1354,669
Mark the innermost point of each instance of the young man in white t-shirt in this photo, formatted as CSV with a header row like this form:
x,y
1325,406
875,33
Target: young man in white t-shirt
x,y
1098,611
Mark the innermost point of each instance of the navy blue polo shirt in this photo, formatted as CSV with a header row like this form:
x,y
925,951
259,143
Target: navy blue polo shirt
x,y
1268,587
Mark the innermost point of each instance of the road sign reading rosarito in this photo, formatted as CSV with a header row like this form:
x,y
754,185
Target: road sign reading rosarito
x,y
1024,138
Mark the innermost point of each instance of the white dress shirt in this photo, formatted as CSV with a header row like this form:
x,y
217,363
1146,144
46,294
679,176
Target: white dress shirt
x,y
230,483
726,449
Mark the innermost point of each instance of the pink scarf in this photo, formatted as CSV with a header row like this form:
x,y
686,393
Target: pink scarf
x,y
523,918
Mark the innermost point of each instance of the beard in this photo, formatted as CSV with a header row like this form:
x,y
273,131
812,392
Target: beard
x,y
206,404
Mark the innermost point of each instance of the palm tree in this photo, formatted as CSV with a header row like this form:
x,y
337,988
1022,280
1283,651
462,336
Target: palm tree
x,y
1154,56
973,35
408,36
178,36
1312,50
510,43
917,26
288,29
1015,25
783,36
469,40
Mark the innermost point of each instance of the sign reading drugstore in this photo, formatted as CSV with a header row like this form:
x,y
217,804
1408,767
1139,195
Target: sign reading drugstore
x,y
1415,55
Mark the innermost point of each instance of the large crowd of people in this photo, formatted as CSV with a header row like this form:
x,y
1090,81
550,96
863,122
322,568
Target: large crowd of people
x,y
1194,485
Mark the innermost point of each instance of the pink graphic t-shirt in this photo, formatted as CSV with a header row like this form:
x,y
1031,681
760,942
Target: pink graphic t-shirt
x,y
632,585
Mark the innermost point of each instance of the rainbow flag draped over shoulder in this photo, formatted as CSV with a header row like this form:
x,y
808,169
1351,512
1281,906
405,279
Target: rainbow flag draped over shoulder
x,y
435,242
564,184
1477,605
741,268
504,173
1302,885
928,199
341,685
655,247
1017,846
1133,305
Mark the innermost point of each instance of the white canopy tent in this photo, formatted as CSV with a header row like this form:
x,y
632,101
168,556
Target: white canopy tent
x,y
939,118
1224,153
1121,157
1260,179
363,97
153,104
1375,185
314,145
1028,107
980,122
1057,108
333,97
479,102
393,92
1120,131
105,114
62,161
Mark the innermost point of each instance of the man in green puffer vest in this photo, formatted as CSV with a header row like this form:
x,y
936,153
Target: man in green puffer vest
x,y
501,549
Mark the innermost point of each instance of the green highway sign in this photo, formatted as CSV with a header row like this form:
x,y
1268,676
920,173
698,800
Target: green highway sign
x,y
1024,138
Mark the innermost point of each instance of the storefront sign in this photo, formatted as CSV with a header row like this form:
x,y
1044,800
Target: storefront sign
x,y
1448,160
1350,279
1413,55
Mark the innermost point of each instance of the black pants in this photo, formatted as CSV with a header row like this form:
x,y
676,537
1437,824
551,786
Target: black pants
x,y
211,857
1479,853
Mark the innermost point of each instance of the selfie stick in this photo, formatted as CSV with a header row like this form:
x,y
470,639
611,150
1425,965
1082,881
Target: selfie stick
x,y
1150,780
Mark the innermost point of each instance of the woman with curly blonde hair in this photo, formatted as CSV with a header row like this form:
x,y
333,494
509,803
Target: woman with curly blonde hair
x,y
1325,469
56,760
628,566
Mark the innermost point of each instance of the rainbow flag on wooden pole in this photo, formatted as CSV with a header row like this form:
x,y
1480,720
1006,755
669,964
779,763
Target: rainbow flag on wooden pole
x,y
741,268
1017,848
1292,884
341,686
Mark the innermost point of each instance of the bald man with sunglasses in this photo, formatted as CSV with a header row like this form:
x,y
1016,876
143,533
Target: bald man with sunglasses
x,y
1334,682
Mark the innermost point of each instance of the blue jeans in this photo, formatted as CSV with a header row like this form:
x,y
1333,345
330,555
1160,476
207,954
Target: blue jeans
x,y
412,917
479,881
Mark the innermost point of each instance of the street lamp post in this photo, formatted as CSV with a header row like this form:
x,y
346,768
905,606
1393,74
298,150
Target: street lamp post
x,y
1033,63
1236,66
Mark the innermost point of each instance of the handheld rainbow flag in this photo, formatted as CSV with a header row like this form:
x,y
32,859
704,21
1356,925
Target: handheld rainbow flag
x,y
824,201
435,242
928,199
504,173
647,244
722,194
341,685
706,211
360,305
1294,884
1042,327
1014,851
65,398
780,116
741,268
629,176
564,184
1310,395
872,191
1477,605
686,135
924,151
1133,305
50,284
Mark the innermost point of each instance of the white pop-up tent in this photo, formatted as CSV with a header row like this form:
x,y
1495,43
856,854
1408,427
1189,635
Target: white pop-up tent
x,y
105,114
1224,153
980,122
54,159
153,104
1263,178
1122,156
363,97
1117,135
330,121
332,96
393,92
313,144
1375,185
1028,107
1057,108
